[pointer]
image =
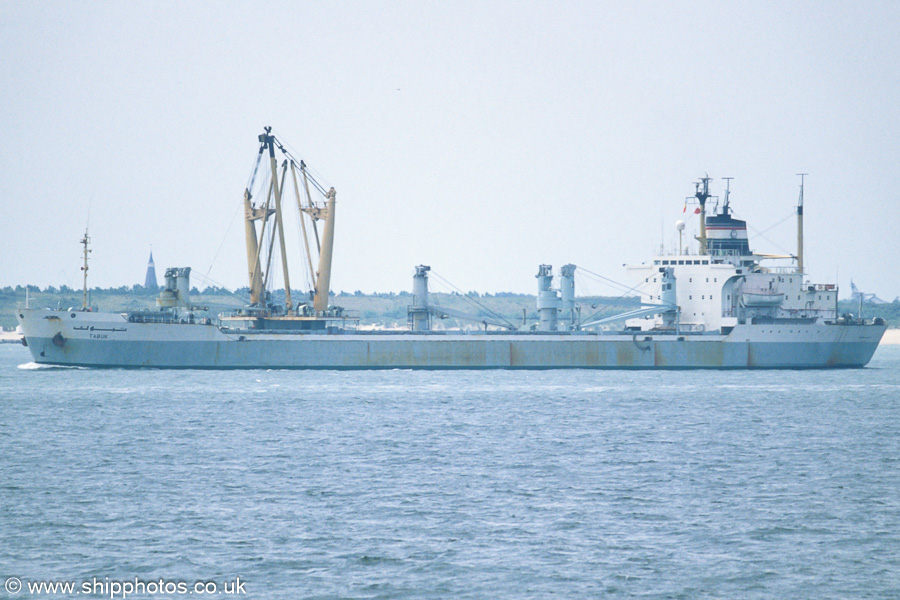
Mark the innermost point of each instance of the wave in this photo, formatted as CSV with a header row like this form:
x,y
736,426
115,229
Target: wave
x,y
33,366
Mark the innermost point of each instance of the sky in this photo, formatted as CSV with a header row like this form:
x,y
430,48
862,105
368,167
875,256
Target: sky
x,y
482,138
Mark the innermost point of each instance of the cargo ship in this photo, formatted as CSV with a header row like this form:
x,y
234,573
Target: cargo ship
x,y
713,306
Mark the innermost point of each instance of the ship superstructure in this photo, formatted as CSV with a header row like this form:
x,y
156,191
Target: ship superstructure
x,y
718,307
725,284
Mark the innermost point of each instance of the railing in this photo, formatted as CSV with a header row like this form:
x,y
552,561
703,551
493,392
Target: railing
x,y
785,270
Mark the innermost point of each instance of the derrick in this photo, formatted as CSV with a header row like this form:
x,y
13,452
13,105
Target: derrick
x,y
265,220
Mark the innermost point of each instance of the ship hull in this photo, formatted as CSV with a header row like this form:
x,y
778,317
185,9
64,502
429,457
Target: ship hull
x,y
110,340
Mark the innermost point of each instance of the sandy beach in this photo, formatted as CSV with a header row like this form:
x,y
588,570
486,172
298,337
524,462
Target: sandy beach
x,y
10,337
891,336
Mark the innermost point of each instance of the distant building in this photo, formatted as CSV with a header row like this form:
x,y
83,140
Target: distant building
x,y
150,280
858,296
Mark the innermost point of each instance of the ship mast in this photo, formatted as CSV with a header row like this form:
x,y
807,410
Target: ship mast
x,y
84,242
323,275
325,246
323,282
800,226
262,213
702,195
278,220
251,214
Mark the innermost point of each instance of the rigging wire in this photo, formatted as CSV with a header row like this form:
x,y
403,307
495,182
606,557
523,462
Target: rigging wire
x,y
607,279
615,303
270,277
255,168
250,184
312,173
285,149
771,227
224,238
761,234
207,281
309,279
473,300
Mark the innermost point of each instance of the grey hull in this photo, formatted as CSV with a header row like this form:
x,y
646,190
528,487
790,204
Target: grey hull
x,y
90,339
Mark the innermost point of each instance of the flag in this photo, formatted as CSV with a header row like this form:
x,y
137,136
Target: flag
x,y
697,211
684,210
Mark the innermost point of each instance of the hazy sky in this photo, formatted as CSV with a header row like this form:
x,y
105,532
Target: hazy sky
x,y
482,138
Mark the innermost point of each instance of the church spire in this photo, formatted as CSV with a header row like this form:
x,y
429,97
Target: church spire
x,y
150,280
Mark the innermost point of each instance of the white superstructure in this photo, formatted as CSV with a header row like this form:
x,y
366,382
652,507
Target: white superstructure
x,y
728,285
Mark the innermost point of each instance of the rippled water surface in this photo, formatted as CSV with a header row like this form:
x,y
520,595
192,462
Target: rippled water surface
x,y
491,484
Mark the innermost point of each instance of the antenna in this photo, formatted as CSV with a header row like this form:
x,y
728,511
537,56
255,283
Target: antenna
x,y
662,237
727,193
702,195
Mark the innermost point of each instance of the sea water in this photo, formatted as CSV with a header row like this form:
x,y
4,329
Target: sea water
x,y
452,484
